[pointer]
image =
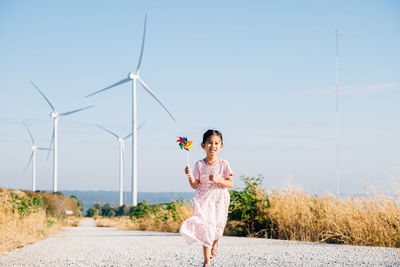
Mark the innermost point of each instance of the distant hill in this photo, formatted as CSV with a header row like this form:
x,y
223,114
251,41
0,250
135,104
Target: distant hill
x,y
89,198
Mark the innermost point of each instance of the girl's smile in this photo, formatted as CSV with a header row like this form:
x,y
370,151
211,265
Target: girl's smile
x,y
212,146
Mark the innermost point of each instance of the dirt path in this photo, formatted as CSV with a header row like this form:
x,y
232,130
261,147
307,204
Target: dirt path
x,y
88,245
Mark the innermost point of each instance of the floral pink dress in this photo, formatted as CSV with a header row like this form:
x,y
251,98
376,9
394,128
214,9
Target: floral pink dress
x,y
210,205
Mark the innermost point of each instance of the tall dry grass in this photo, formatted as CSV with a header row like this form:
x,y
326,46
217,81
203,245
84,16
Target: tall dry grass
x,y
26,217
371,220
291,214
23,220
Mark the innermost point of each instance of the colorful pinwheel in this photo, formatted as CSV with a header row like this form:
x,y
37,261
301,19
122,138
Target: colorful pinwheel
x,y
184,143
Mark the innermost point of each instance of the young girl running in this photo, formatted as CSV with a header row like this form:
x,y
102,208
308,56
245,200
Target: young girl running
x,y
210,177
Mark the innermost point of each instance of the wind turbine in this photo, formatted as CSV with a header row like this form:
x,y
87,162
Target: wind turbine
x,y
121,159
134,77
32,158
55,115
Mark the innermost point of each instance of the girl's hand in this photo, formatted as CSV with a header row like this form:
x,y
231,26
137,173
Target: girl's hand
x,y
214,178
188,171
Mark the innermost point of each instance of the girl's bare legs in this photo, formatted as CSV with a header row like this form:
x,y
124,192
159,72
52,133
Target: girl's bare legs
x,y
214,249
207,254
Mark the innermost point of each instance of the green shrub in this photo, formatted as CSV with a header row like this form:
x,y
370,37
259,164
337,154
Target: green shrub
x,y
123,210
94,210
248,208
141,210
107,211
26,204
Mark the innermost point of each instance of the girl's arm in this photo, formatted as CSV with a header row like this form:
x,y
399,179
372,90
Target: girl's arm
x,y
228,182
193,182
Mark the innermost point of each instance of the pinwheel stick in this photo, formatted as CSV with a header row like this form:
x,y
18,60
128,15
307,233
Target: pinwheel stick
x,y
187,158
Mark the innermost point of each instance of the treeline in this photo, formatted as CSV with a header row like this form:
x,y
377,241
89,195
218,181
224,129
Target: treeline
x,y
141,210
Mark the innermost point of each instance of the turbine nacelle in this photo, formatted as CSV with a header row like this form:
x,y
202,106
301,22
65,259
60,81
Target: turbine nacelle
x,y
132,76
33,147
54,115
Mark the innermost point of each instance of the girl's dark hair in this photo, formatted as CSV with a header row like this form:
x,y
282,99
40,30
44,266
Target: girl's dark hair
x,y
207,134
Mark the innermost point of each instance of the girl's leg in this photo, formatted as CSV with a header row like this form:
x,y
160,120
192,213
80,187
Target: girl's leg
x,y
207,254
214,249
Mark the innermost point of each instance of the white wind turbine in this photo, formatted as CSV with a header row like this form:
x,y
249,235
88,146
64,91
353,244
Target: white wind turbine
x,y
135,77
55,115
32,158
121,142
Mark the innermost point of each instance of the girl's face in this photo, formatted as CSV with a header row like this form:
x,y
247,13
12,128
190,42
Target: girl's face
x,y
213,145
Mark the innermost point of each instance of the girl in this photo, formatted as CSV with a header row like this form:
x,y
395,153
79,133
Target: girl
x,y
211,176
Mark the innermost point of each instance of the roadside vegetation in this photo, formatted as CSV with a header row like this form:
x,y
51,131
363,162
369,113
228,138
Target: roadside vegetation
x,y
26,217
164,217
291,214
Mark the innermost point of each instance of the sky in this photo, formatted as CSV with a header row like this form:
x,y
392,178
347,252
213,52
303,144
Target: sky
x,y
261,72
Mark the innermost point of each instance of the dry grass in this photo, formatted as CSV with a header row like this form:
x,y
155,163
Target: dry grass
x,y
373,220
71,221
122,223
56,205
26,217
21,227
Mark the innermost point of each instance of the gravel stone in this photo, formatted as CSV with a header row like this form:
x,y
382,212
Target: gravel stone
x,y
88,245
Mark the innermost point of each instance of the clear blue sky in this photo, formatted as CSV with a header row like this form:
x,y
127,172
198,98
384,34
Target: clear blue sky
x,y
262,72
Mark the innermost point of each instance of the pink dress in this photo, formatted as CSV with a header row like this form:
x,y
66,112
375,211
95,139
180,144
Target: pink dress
x,y
210,205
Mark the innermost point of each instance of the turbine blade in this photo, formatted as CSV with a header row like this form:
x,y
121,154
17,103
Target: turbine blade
x,y
129,135
141,51
110,132
126,137
29,162
123,149
111,86
29,132
51,144
141,125
48,101
152,94
74,111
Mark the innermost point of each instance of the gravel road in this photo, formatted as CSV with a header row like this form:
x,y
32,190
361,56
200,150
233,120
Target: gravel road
x,y
88,245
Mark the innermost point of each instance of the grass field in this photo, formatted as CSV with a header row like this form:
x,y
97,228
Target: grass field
x,y
291,214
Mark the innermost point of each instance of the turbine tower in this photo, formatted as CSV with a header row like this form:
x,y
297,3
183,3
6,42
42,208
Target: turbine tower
x,y
55,116
121,159
32,158
134,77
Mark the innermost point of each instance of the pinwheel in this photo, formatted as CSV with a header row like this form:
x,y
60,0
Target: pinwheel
x,y
184,143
